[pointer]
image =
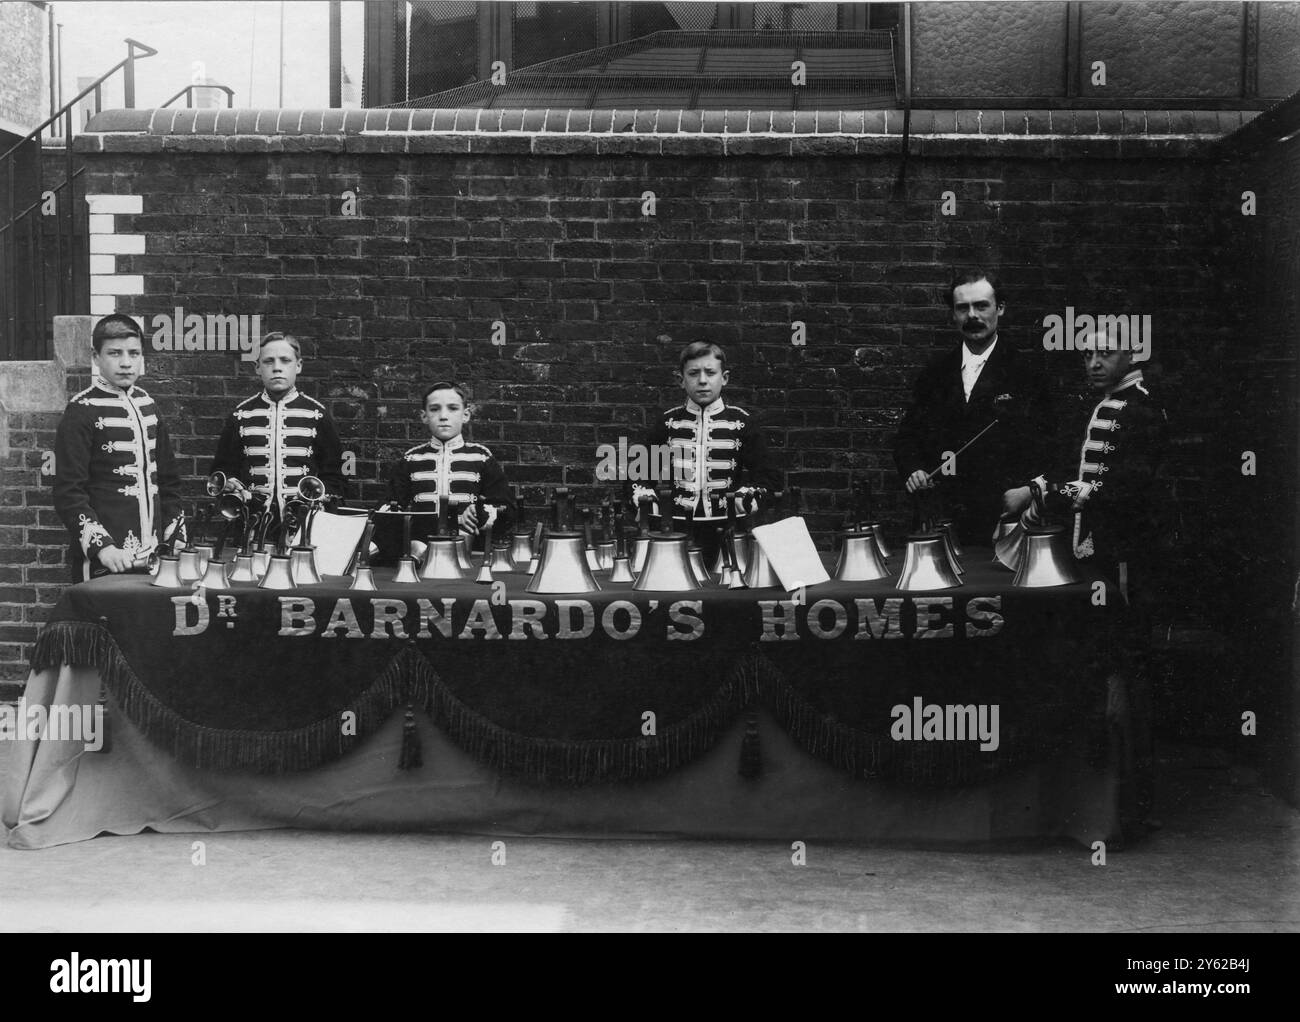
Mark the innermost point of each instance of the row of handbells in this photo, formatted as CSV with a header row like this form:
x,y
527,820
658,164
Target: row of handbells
x,y
561,559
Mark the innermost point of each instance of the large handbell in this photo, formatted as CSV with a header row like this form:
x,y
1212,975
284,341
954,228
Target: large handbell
x,y
216,575
442,559
169,573
1045,559
667,561
302,565
759,573
521,551
242,571
562,567
926,565
278,574
860,559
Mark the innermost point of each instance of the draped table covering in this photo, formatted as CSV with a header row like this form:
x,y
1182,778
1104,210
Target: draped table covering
x,y
843,711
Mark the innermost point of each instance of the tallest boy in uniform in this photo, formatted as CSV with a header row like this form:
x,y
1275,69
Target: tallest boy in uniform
x,y
275,438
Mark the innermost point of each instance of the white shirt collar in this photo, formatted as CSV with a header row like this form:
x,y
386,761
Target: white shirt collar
x,y
712,409
969,358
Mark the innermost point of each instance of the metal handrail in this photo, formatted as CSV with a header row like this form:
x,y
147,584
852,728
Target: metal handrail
x,y
188,93
27,275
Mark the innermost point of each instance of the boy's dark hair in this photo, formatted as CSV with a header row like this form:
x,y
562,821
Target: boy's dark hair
x,y
276,335
973,275
444,385
112,326
699,348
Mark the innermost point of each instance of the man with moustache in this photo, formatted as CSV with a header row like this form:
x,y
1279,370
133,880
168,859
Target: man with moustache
x,y
977,382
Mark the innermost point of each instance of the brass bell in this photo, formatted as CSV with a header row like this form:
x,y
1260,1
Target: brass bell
x,y
640,549
759,573
363,579
407,573
261,562
925,565
605,555
442,559
860,559
562,567
243,569
501,559
302,565
667,564
745,547
169,573
1045,559
278,574
188,565
521,550
464,549
881,545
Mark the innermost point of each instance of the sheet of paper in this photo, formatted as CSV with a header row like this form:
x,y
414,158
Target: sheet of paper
x,y
335,537
791,551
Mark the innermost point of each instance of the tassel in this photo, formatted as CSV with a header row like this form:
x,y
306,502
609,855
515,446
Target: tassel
x,y
411,757
101,721
751,753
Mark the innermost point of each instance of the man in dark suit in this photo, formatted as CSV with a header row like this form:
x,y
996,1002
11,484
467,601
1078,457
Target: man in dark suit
x,y
981,380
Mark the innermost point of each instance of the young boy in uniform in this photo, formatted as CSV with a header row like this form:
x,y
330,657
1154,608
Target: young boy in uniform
x,y
716,446
116,484
276,437
448,466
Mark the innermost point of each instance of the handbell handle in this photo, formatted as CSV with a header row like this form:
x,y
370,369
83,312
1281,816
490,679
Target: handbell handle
x,y
361,555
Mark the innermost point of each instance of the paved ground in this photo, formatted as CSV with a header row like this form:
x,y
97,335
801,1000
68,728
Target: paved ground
x,y
1227,859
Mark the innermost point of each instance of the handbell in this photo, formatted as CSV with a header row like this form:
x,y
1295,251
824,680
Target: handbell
x,y
622,569
442,559
759,573
278,574
204,551
463,549
563,566
925,565
243,569
407,571
363,579
521,550
695,555
640,549
860,559
261,562
605,555
302,565
188,565
950,547
169,573
501,559
950,530
216,575
1045,559
881,545
667,564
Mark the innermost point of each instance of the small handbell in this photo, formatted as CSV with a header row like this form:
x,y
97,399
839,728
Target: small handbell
x,y
169,573
621,570
243,569
188,565
407,571
950,547
501,559
363,579
605,556
695,555
925,564
302,565
860,559
204,552
216,575
278,574
562,567
759,573
261,562
521,551
1045,559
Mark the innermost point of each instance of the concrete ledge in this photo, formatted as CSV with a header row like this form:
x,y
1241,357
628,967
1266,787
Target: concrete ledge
x,y
43,386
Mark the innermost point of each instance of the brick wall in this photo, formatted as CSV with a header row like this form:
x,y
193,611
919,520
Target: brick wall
x,y
752,231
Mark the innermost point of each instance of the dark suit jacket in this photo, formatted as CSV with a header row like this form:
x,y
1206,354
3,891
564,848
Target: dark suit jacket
x,y
941,419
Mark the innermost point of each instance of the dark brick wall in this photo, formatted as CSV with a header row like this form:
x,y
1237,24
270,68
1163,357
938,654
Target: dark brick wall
x,y
598,299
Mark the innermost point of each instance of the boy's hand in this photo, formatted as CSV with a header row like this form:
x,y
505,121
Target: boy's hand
x,y
115,559
469,521
919,480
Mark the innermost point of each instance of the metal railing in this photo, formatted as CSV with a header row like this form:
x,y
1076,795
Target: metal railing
x,y
43,229
188,93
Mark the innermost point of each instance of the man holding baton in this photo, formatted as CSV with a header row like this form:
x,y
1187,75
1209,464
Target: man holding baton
x,y
977,414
